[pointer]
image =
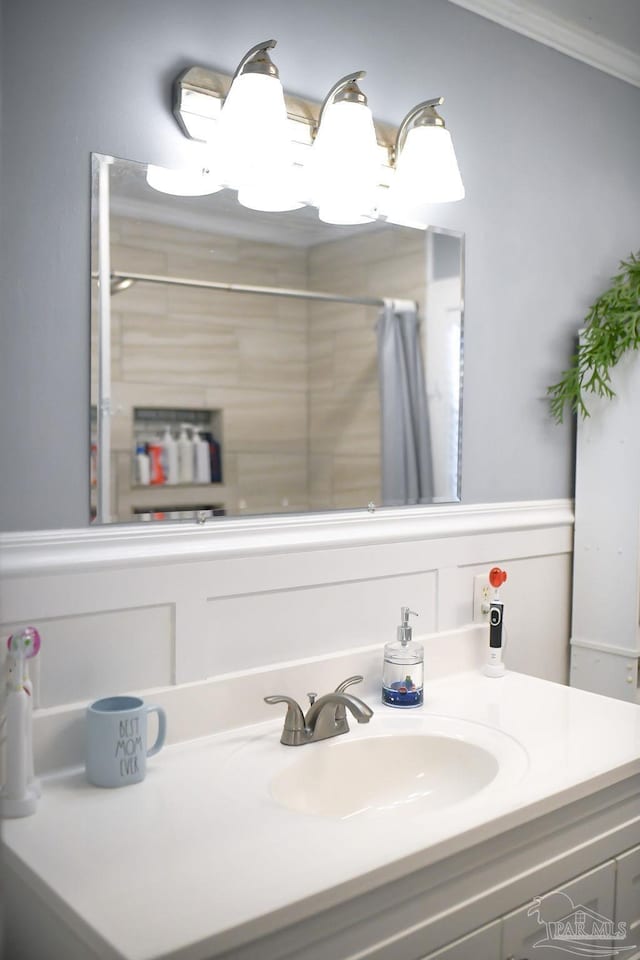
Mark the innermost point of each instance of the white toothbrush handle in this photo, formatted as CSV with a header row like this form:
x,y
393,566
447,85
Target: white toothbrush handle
x,y
18,797
16,753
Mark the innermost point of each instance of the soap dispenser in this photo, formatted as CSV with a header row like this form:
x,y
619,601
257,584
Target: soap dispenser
x,y
403,669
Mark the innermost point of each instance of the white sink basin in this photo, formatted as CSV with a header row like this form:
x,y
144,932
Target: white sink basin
x,y
348,777
440,762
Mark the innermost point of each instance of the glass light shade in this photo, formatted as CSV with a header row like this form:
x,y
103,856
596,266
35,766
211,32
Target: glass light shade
x,y
427,169
268,200
255,144
184,182
343,166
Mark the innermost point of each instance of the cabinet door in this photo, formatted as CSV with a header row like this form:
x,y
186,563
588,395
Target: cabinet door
x,y
482,944
564,916
628,900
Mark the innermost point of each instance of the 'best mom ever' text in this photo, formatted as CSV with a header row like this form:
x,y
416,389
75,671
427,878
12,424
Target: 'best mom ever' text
x,y
129,746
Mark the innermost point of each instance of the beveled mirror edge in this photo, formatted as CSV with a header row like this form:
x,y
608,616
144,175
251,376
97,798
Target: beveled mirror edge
x,y
460,236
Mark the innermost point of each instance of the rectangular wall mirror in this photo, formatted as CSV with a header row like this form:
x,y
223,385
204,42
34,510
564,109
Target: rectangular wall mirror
x,y
247,363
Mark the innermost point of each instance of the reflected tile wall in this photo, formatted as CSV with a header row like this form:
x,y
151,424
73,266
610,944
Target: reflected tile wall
x,y
243,355
295,381
344,409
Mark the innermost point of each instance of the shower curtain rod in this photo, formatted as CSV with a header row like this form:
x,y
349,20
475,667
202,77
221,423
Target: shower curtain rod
x,y
117,275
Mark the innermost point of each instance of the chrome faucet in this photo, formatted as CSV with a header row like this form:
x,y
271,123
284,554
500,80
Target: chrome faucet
x,y
326,716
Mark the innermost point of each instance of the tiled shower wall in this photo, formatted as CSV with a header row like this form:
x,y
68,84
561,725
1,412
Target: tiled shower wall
x,y
344,407
244,355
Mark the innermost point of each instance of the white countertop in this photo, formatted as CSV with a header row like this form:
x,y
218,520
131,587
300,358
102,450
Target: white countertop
x,y
198,858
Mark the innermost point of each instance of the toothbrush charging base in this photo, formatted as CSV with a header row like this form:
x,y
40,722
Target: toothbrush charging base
x,y
494,670
13,807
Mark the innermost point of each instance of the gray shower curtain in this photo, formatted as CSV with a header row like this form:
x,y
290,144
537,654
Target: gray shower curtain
x,y
407,470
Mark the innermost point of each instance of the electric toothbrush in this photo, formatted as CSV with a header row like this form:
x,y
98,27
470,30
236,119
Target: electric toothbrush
x,y
495,666
20,791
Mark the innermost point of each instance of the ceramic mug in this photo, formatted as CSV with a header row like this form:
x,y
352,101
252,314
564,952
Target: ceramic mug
x,y
117,740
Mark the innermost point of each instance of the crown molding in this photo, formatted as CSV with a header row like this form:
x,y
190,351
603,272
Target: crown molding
x,y
562,35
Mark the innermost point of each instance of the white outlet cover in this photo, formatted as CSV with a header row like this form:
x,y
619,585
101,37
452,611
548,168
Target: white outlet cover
x,y
482,593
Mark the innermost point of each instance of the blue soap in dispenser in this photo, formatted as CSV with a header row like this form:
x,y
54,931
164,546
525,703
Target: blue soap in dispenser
x,y
403,669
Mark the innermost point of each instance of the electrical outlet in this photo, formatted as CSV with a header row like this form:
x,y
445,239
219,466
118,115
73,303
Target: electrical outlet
x,y
481,598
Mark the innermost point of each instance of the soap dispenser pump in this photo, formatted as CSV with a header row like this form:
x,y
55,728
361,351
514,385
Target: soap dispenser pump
x,y
403,669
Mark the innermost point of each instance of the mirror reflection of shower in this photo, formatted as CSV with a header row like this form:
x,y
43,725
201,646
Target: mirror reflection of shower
x,y
257,335
118,284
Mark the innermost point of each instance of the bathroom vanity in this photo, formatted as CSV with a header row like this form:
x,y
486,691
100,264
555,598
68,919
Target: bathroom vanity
x,y
236,846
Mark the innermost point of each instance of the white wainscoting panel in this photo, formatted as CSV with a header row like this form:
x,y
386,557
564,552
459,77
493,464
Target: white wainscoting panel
x,y
356,612
84,656
124,609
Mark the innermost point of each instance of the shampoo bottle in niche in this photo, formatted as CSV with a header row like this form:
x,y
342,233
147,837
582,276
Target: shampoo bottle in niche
x,y
403,668
169,456
185,456
143,465
201,459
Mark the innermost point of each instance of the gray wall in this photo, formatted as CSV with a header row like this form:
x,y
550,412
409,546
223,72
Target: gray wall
x,y
548,149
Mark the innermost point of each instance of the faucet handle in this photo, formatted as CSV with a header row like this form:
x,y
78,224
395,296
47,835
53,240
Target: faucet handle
x,y
358,678
294,720
341,713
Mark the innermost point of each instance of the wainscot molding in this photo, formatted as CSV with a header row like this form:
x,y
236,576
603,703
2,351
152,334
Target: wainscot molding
x,y
560,34
140,606
63,551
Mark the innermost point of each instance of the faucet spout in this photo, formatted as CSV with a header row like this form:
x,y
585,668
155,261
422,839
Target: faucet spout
x,y
323,718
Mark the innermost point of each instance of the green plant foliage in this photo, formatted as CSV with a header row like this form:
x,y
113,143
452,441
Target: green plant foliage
x,y
612,327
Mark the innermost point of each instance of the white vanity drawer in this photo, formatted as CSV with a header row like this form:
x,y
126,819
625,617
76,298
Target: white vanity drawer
x,y
628,899
482,944
522,930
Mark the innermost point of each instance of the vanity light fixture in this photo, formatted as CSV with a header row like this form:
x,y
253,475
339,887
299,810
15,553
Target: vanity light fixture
x,y
281,152
254,137
343,163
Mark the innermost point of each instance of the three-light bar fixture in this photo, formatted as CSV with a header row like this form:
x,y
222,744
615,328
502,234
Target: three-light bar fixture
x,y
281,153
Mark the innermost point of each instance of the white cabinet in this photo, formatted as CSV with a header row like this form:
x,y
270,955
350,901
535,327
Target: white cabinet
x,y
605,641
482,944
628,901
